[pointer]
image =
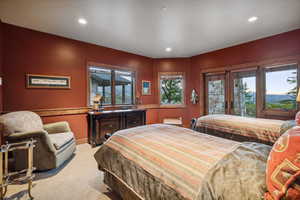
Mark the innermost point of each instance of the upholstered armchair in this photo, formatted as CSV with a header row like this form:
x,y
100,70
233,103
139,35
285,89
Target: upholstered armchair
x,y
55,142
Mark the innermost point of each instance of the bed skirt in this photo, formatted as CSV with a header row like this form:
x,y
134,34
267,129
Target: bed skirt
x,y
242,129
119,187
231,136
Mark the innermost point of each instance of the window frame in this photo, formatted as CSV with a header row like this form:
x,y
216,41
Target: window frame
x,y
259,66
249,70
216,76
183,104
276,112
113,96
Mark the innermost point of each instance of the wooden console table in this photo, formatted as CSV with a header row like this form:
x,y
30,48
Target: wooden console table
x,y
108,122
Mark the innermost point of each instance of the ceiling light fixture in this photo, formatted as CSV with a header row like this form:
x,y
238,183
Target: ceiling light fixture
x,y
168,49
252,19
82,21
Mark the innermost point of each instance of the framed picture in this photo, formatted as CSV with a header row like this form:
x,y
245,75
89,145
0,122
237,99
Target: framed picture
x,y
45,81
146,87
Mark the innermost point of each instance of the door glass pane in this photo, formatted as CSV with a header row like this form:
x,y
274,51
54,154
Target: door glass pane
x,y
216,96
281,87
244,94
124,87
100,83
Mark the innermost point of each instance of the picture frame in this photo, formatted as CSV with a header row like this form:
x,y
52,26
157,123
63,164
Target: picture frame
x,y
46,81
146,87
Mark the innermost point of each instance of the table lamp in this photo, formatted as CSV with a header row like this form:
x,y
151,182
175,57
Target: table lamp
x,y
298,96
96,102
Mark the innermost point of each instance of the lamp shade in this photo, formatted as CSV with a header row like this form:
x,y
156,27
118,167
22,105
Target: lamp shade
x,y
298,96
97,98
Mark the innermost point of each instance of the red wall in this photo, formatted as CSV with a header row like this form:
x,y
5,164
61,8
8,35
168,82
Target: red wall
x,y
277,46
28,51
285,44
173,65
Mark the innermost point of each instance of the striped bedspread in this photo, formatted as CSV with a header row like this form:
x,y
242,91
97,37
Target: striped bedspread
x,y
263,129
178,157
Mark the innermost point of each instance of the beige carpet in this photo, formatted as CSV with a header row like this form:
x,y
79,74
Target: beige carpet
x,y
77,180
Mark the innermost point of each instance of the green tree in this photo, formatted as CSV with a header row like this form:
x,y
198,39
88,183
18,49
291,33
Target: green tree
x,y
244,102
293,80
171,91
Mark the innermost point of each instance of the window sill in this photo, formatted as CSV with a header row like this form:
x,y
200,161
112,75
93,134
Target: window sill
x,y
172,106
113,107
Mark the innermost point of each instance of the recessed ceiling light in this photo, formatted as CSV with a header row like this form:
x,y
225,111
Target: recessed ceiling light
x,y
164,8
168,49
82,21
252,19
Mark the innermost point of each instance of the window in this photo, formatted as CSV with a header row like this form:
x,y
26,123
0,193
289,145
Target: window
x,y
244,93
281,87
100,83
264,91
115,86
123,87
216,94
171,88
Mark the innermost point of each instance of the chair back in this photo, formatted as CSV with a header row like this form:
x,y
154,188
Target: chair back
x,y
21,121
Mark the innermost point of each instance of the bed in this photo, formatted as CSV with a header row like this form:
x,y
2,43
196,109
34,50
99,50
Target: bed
x,y
161,161
242,129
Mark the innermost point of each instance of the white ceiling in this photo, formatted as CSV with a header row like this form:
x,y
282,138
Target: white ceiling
x,y
143,27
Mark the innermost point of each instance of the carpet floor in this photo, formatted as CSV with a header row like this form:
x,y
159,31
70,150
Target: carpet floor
x,y
78,179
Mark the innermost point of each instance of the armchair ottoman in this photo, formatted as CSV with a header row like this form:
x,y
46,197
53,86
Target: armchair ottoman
x,y
55,142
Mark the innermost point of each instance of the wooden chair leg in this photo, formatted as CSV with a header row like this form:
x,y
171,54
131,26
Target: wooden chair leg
x,y
29,189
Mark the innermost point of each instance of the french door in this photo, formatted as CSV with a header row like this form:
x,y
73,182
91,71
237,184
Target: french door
x,y
216,90
231,92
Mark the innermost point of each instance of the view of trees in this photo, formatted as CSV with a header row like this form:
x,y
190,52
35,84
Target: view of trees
x,y
171,91
244,99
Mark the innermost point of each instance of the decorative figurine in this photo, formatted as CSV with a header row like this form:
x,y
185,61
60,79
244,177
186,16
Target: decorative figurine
x,y
194,97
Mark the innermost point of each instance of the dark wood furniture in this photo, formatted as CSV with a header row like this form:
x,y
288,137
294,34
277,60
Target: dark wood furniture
x,y
108,122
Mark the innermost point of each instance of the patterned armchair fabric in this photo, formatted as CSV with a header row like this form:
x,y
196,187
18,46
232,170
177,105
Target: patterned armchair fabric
x,y
55,141
22,121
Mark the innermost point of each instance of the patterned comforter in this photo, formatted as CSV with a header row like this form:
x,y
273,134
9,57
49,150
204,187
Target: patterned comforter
x,y
167,162
267,130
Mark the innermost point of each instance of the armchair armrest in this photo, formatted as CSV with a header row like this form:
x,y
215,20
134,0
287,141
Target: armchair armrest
x,y
57,127
40,136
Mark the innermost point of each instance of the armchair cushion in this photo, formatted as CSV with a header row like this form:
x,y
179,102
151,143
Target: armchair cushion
x,y
59,140
21,121
57,127
42,137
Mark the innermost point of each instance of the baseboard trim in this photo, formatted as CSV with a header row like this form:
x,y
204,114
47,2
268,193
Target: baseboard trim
x,y
81,141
